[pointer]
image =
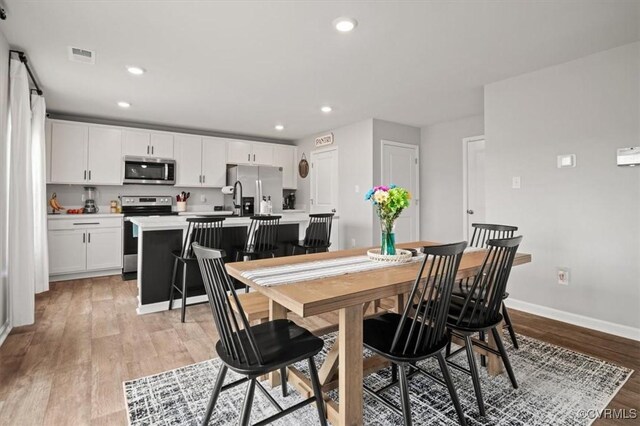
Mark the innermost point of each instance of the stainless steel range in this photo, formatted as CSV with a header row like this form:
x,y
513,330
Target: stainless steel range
x,y
139,205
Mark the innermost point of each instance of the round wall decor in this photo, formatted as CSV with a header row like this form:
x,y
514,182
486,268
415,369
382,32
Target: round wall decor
x,y
303,167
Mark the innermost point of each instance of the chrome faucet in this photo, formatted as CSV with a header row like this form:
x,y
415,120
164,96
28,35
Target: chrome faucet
x,y
237,197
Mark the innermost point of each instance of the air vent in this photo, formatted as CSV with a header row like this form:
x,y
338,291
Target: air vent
x,y
85,56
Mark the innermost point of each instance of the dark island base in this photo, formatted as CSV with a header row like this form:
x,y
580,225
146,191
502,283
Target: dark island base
x,y
157,260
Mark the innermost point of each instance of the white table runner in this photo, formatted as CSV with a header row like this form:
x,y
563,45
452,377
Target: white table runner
x,y
306,271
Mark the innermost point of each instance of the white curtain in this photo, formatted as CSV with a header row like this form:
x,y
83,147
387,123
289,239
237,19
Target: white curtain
x,y
21,199
38,162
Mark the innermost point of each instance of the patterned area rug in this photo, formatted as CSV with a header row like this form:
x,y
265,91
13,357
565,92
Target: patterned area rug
x,y
555,386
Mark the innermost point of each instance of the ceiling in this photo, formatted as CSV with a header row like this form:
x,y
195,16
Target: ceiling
x,y
242,67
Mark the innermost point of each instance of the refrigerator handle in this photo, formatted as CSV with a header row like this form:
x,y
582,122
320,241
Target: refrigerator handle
x,y
256,202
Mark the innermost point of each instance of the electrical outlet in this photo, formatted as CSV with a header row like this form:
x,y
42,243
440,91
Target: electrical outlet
x,y
563,276
357,189
515,182
353,243
203,198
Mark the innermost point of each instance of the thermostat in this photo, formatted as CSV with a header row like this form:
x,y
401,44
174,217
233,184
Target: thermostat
x,y
629,156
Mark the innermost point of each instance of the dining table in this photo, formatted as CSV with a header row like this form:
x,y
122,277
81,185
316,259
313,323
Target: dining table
x,y
354,296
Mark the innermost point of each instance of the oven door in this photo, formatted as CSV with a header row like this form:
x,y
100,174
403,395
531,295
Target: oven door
x,y
154,171
129,248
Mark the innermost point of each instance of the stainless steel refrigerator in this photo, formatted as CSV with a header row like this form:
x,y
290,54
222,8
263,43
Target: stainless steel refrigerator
x,y
258,182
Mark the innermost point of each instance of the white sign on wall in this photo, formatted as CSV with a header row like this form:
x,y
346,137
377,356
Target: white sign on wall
x,y
324,140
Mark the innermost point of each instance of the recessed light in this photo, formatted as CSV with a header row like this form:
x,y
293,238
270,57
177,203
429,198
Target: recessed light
x,y
344,24
279,127
326,108
135,70
123,104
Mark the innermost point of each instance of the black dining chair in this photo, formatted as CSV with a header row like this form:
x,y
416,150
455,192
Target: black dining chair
x,y
404,339
479,311
253,351
317,236
483,232
207,231
262,238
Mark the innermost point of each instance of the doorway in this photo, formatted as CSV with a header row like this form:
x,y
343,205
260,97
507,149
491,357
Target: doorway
x,y
324,181
401,166
473,182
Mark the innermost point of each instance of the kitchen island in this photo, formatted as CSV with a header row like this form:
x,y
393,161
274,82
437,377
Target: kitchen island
x,y
159,236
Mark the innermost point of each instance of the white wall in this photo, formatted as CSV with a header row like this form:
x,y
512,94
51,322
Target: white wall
x,y
585,218
355,168
441,177
4,184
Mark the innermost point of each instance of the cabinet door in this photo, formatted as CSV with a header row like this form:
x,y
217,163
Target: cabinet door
x,y
262,154
238,152
136,143
285,156
105,156
104,248
188,151
68,152
214,170
162,145
67,251
47,140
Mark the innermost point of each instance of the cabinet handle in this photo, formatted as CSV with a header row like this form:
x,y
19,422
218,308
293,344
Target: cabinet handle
x,y
89,237
254,157
89,174
152,150
248,157
84,236
147,149
203,178
85,175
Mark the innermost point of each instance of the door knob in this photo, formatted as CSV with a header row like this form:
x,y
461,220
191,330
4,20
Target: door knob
x,y
470,211
333,210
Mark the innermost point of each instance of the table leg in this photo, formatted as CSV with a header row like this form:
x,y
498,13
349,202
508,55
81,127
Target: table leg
x,y
276,311
350,365
494,362
400,301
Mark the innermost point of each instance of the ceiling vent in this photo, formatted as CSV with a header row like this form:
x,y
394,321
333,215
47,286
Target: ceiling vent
x,y
82,55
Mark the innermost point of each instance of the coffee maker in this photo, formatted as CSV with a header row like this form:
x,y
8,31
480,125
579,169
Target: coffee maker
x,y
290,201
90,199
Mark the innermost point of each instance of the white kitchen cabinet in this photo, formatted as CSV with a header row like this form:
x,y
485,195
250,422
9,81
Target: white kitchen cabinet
x,y
161,145
214,169
104,162
238,152
104,248
188,153
262,154
286,156
136,143
67,251
69,152
47,138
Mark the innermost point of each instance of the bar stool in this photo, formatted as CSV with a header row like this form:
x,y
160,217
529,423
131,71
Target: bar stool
x,y
206,231
318,234
262,238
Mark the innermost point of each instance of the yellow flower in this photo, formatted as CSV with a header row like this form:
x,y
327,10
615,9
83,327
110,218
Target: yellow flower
x,y
380,197
408,195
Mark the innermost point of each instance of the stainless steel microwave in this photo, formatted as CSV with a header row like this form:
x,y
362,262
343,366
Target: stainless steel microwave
x,y
149,171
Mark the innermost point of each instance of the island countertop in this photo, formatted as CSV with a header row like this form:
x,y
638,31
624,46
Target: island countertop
x,y
160,223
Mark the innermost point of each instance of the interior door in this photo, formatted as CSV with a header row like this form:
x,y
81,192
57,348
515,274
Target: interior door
x,y
400,166
324,181
188,150
105,156
475,154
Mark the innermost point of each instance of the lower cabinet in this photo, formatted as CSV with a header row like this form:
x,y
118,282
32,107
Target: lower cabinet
x,y
83,247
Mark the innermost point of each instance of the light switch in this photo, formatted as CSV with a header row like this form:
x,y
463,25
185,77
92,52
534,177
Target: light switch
x,y
515,182
566,160
357,189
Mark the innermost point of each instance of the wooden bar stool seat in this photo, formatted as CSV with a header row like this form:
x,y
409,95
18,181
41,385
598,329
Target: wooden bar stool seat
x,y
254,304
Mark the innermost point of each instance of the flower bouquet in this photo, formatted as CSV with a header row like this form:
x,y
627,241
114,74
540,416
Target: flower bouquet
x,y
389,201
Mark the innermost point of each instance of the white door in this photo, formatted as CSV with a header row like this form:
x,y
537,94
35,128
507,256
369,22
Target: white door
x,y
238,152
324,181
188,152
474,183
104,248
214,170
161,145
285,156
136,143
262,154
400,166
68,153
67,251
105,156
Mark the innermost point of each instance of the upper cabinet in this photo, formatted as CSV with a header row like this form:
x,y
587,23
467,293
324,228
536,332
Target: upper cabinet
x,y
286,156
82,153
245,152
200,161
140,143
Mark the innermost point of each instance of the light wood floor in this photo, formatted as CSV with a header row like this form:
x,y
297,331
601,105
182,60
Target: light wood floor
x,y
68,368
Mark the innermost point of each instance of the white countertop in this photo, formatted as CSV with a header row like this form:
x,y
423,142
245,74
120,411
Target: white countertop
x,y
51,216
206,213
159,223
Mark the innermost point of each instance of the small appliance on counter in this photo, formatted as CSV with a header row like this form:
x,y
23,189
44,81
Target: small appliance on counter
x,y
90,200
181,201
289,202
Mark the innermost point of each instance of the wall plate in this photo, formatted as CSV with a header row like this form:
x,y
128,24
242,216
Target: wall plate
x,y
566,160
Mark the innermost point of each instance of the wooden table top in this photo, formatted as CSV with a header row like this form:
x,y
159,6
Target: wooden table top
x,y
308,298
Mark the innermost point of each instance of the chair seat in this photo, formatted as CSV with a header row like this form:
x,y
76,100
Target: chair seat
x,y
460,292
254,304
281,343
455,310
378,334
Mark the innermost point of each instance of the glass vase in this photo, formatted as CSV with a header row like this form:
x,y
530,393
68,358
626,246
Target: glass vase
x,y
387,239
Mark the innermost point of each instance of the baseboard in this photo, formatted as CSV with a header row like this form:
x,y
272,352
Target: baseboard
x,y
163,306
575,319
5,329
88,274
